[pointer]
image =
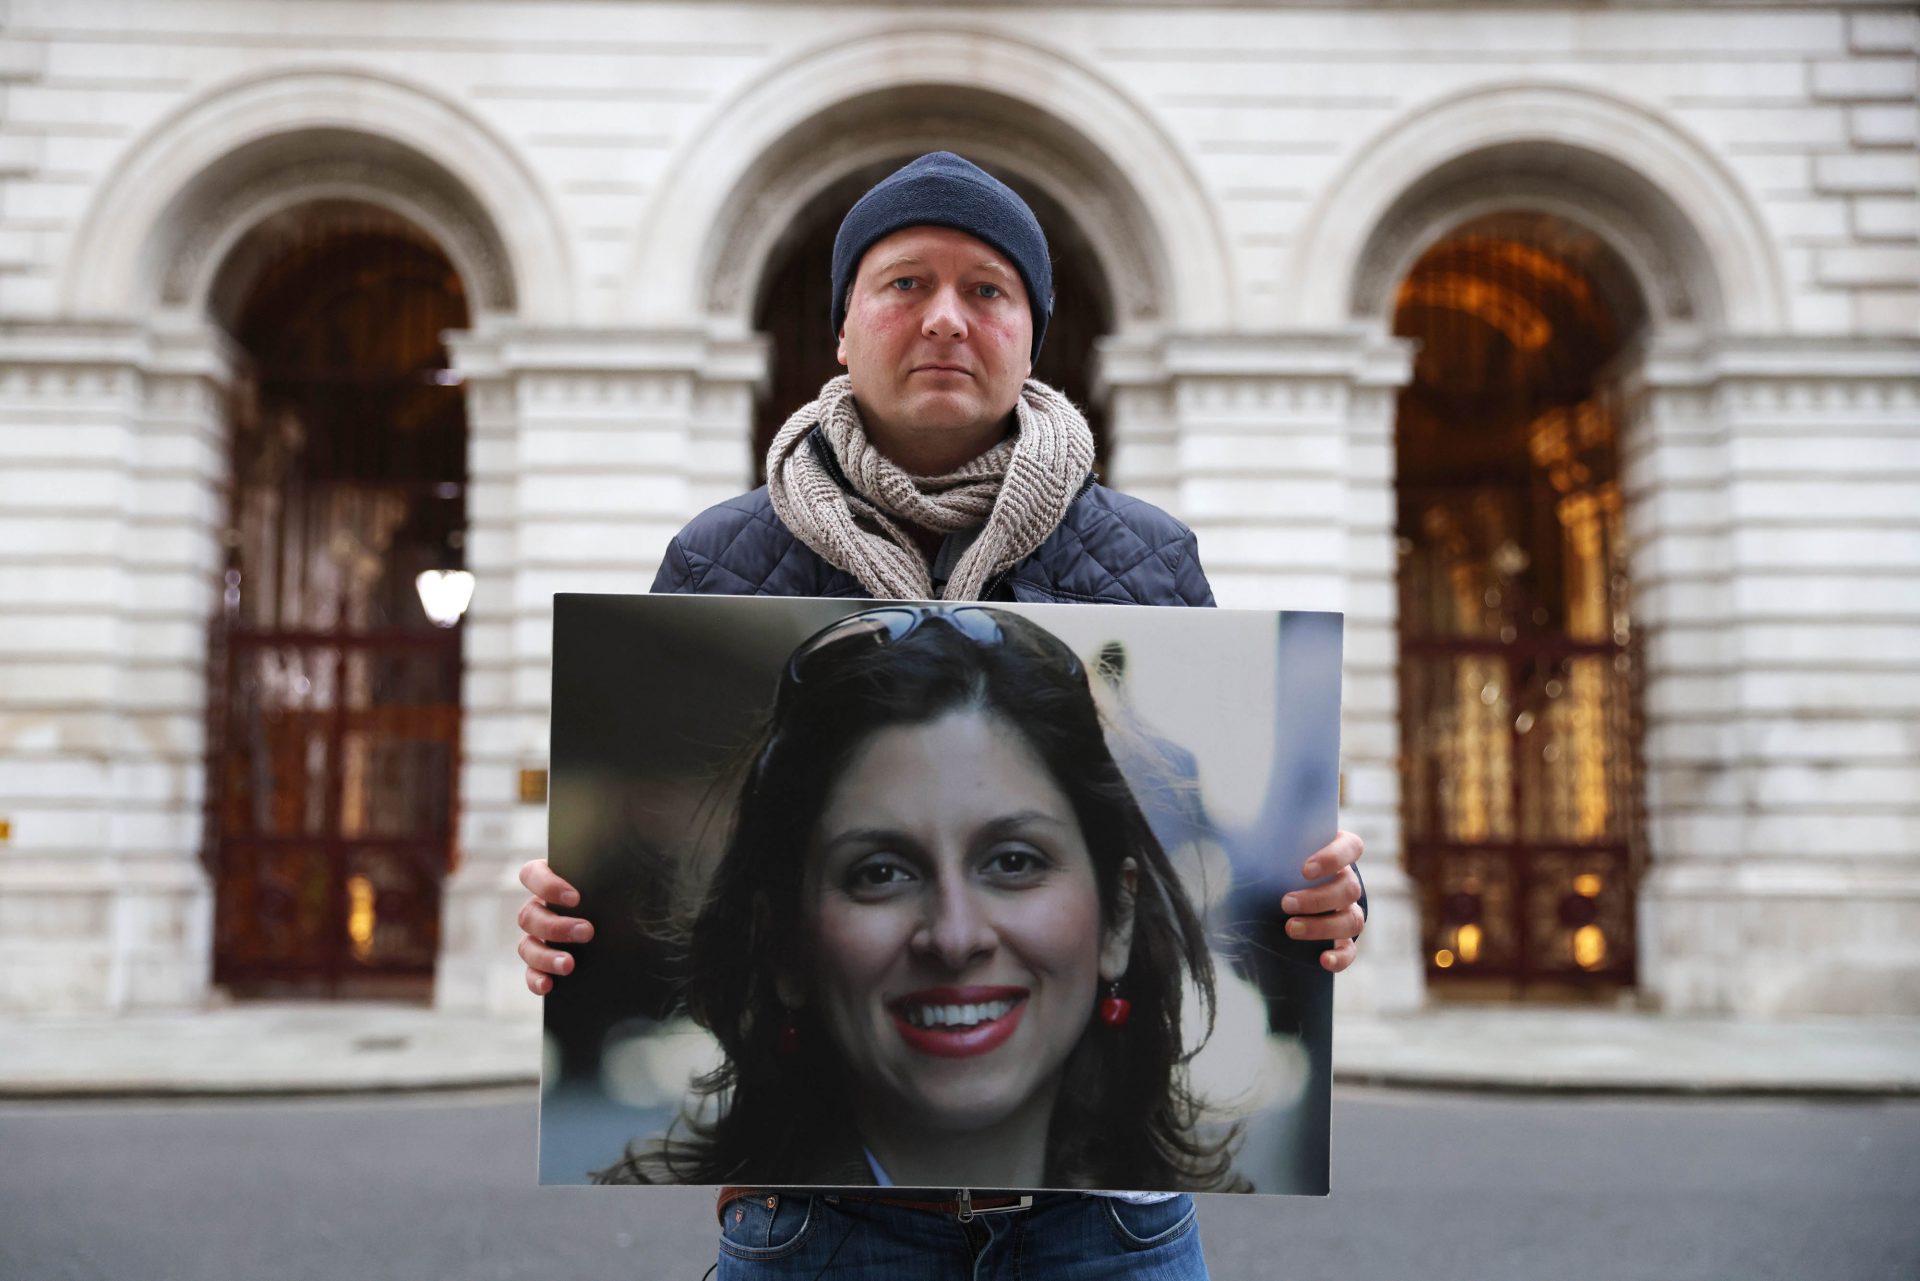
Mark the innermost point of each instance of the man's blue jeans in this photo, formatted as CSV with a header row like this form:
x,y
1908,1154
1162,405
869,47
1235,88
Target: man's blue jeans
x,y
1066,1236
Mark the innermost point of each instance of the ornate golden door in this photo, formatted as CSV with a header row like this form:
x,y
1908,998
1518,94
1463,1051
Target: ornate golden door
x,y
1519,734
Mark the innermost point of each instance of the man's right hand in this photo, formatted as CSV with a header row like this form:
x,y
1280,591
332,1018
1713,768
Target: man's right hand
x,y
543,926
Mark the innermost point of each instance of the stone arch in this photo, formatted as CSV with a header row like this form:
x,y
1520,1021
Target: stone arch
x,y
254,148
1688,233
834,109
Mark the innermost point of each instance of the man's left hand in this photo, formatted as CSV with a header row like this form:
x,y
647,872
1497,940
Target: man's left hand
x,y
1332,910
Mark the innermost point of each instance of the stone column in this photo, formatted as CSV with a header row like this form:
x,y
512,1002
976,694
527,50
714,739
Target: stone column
x,y
1393,978
590,449
112,456
1774,506
1277,449
1143,431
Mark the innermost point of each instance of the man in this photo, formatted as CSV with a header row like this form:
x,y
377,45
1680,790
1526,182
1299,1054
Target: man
x,y
936,469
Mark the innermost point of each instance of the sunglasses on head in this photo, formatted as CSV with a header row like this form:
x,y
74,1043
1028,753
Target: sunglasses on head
x,y
886,625
879,628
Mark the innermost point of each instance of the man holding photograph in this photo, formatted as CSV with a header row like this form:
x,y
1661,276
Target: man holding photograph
x,y
935,468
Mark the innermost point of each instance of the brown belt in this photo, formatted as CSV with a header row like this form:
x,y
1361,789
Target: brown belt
x,y
963,1208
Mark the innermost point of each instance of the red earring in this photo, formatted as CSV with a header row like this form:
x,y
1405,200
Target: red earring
x,y
1115,1009
787,1037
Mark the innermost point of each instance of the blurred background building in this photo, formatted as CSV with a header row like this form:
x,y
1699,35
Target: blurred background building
x,y
1572,351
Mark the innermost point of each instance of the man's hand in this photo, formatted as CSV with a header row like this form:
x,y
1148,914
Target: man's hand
x,y
543,927
1329,911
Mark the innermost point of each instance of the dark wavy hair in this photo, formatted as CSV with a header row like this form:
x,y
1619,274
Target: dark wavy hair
x,y
1125,1116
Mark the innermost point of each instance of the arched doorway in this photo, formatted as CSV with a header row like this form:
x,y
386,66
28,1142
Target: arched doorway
x,y
792,306
1521,802
335,718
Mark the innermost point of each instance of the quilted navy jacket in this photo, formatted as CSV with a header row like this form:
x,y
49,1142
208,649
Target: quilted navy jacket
x,y
1109,549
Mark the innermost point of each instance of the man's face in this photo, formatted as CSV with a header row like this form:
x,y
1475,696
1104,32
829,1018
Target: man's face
x,y
937,339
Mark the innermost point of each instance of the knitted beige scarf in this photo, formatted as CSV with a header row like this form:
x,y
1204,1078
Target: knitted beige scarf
x,y
1018,492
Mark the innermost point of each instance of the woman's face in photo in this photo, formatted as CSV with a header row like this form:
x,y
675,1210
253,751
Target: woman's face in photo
x,y
955,924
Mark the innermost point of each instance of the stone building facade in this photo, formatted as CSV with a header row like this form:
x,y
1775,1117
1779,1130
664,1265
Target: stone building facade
x,y
613,183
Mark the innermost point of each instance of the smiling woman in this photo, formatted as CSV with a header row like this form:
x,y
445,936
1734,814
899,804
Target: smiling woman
x,y
952,903
915,947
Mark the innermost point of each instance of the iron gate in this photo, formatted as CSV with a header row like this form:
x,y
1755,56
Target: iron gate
x,y
335,708
1519,670
335,805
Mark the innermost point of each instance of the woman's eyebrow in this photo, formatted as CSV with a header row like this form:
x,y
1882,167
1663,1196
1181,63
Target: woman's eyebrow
x,y
1008,824
999,825
865,836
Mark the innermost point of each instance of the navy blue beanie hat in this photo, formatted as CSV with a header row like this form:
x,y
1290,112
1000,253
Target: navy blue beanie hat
x,y
942,190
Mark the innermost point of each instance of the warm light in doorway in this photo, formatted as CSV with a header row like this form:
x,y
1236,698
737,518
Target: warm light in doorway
x,y
360,918
1589,947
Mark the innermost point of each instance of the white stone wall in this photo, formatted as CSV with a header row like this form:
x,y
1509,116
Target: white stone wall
x,y
1253,177
1774,491
589,449
1809,111
112,444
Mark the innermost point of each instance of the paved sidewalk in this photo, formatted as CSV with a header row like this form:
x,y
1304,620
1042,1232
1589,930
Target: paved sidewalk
x,y
1531,1048
266,1048
327,1048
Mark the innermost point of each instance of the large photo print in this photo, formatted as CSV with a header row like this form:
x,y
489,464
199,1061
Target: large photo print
x,y
939,895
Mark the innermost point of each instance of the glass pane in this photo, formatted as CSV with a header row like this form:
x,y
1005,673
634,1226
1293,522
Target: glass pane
x,y
1577,775
276,770
1469,901
1457,573
393,908
400,745
274,904
1579,913
1459,785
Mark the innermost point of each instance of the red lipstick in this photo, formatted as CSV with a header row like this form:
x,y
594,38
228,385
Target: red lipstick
x,y
938,1034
